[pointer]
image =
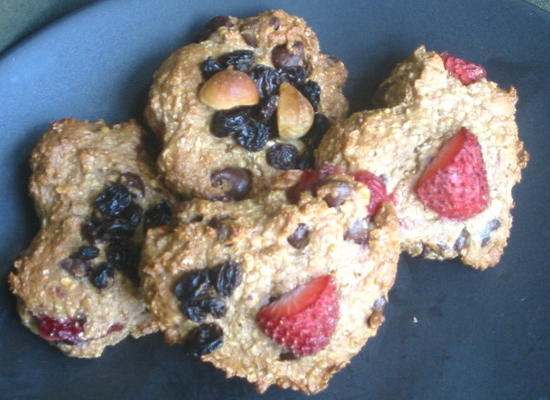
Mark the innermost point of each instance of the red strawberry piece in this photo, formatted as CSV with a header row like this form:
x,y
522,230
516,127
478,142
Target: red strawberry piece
x,y
67,330
454,184
465,71
303,320
377,189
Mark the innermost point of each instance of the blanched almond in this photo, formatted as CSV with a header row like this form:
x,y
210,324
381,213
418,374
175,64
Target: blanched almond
x,y
228,89
294,113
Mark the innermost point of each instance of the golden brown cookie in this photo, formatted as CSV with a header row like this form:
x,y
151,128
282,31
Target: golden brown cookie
x,y
207,279
92,186
255,95
428,99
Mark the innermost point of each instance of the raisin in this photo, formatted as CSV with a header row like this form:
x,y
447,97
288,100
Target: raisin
x,y
292,75
133,215
192,284
358,232
113,200
254,136
212,26
197,309
267,79
158,215
114,229
203,339
266,109
283,156
133,181
241,60
86,253
226,277
123,255
103,276
209,67
229,122
283,56
321,124
77,267
312,91
334,191
300,237
238,179
68,330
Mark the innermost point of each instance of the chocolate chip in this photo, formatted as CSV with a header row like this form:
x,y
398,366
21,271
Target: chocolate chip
x,y
287,356
239,181
77,267
491,226
283,57
212,26
300,237
223,230
334,191
275,22
250,39
461,240
133,181
358,232
375,319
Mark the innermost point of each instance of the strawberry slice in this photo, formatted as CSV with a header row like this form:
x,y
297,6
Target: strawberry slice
x,y
465,71
454,184
67,330
303,320
377,189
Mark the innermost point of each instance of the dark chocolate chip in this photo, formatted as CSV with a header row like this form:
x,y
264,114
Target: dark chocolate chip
x,y
300,237
358,232
212,26
287,356
334,191
239,181
77,267
223,230
283,56
275,22
491,226
250,39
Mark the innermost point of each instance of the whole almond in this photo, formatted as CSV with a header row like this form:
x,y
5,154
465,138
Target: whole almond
x,y
228,89
294,113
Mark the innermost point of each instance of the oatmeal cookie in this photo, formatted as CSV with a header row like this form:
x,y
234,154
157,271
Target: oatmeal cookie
x,y
276,291
446,144
76,284
255,94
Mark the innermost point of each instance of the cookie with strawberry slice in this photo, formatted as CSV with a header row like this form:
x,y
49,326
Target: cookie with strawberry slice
x,y
446,146
283,289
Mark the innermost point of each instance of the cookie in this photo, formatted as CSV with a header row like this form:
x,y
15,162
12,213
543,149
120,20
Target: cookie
x,y
251,99
446,144
222,280
76,284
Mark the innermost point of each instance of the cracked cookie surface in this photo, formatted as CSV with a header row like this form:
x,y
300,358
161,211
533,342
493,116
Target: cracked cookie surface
x,y
425,106
278,246
275,50
76,282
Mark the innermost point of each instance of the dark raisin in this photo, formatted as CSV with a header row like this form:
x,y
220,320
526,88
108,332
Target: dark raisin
x,y
226,277
241,60
284,56
307,160
358,232
254,136
209,67
266,109
334,191
312,91
103,276
292,75
203,339
229,122
267,79
86,253
321,124
283,156
192,284
115,229
223,230
123,255
491,226
158,215
113,200
239,181
133,181
77,267
300,237
212,26
461,240
133,215
197,309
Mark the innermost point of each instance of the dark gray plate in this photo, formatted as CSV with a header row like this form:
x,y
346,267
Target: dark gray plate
x,y
478,335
